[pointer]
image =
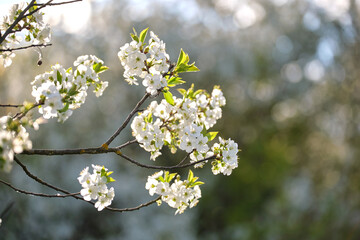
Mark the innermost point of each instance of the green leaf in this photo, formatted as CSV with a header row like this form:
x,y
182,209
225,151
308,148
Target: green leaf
x,y
198,92
28,38
58,77
181,91
211,135
72,91
182,64
171,176
175,81
149,118
184,67
97,67
181,57
134,31
110,179
134,37
143,35
169,97
196,183
102,69
190,176
65,108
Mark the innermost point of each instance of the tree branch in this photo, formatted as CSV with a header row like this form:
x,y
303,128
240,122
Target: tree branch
x,y
134,208
107,143
10,105
17,20
67,194
21,48
56,4
38,179
38,194
20,115
76,151
163,167
38,9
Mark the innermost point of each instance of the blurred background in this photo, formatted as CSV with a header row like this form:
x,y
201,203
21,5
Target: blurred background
x,y
289,70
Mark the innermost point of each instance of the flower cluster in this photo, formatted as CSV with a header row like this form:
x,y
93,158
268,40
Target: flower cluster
x,y
13,139
149,62
94,186
60,91
180,194
183,125
226,156
32,27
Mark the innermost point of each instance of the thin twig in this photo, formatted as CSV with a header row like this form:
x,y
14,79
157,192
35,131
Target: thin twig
x,y
21,48
127,144
184,159
56,4
75,151
10,105
107,143
17,20
134,208
20,115
38,179
39,194
38,9
163,167
67,194
54,152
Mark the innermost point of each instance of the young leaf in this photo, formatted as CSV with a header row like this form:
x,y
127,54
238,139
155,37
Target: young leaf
x,y
135,33
181,57
196,183
143,35
190,176
59,77
184,67
175,81
72,91
182,91
169,97
134,37
211,135
65,108
102,69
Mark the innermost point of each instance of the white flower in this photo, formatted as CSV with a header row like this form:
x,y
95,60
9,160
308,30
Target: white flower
x,y
13,140
105,199
94,186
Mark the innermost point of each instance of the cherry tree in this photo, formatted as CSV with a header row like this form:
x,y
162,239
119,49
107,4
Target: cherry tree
x,y
181,123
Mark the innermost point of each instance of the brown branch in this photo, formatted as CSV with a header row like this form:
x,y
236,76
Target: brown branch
x,y
163,167
67,194
38,179
134,208
184,159
17,20
20,115
99,150
21,48
76,151
10,105
38,9
132,113
38,194
56,4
